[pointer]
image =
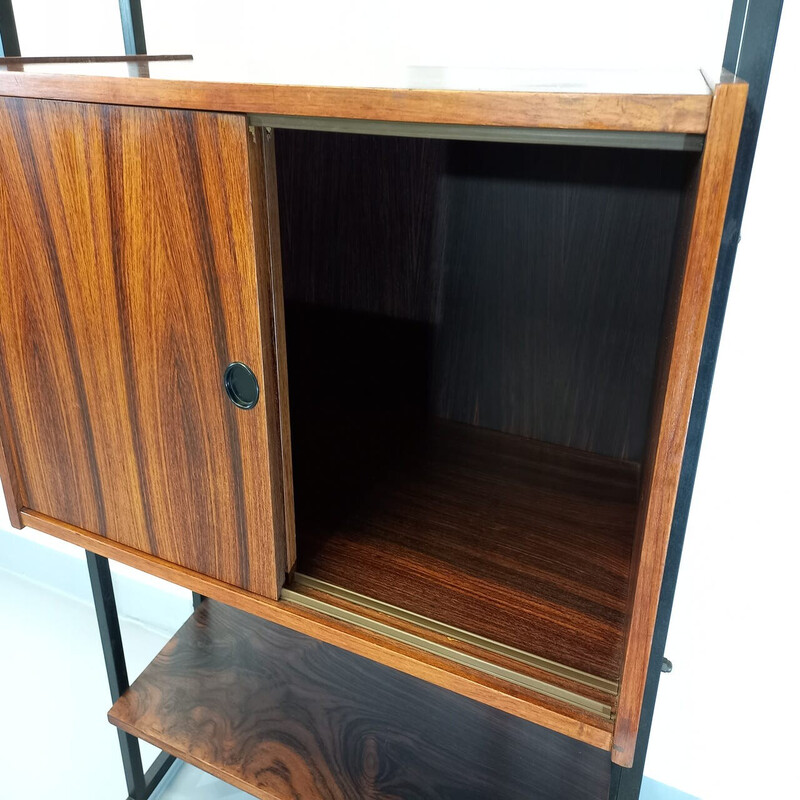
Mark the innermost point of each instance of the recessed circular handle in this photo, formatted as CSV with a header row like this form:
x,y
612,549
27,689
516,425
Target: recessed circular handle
x,y
241,385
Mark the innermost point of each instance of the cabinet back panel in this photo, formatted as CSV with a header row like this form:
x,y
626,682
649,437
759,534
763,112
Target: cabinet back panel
x,y
541,271
127,283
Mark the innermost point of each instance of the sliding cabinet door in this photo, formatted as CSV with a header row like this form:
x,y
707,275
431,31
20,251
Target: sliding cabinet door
x,y
134,269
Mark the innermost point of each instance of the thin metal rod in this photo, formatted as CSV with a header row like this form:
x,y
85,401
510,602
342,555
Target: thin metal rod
x,y
130,12
9,41
750,47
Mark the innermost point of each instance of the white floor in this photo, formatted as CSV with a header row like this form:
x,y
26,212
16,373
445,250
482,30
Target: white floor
x,y
55,740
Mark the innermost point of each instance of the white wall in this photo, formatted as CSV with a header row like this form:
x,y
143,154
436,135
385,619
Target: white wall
x,y
582,33
366,33
724,721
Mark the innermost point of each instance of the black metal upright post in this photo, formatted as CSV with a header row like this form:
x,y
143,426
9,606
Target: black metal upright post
x,y
752,34
140,784
9,41
130,12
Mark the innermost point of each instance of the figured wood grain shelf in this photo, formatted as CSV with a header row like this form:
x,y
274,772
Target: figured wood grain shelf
x,y
512,539
281,715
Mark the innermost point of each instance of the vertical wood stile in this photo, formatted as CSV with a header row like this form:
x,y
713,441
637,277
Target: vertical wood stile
x,y
673,406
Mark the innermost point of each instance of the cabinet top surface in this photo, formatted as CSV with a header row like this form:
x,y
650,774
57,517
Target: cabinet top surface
x,y
677,101
461,79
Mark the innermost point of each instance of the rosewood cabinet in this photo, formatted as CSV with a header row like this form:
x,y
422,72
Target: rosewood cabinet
x,y
474,318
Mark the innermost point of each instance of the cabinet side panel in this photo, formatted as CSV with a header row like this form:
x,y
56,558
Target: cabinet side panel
x,y
672,407
129,285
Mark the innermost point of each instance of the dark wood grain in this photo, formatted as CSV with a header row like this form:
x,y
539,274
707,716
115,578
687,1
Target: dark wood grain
x,y
540,271
673,402
421,95
283,716
360,221
518,541
127,284
553,291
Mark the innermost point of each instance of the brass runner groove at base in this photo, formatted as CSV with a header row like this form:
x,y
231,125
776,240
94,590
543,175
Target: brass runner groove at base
x,y
295,595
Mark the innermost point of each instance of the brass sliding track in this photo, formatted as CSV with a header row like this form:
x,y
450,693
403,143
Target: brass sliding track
x,y
638,140
328,606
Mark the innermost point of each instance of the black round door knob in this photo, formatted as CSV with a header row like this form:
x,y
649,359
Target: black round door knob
x,y
241,385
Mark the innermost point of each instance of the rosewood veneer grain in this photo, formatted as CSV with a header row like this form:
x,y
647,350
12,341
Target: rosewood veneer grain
x,y
281,715
128,282
518,541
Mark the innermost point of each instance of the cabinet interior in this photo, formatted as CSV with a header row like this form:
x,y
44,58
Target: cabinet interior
x,y
473,333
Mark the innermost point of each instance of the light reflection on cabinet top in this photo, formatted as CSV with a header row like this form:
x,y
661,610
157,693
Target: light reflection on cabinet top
x,y
641,100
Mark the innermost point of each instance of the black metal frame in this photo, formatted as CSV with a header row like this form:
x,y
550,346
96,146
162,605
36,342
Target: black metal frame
x,y
9,41
140,784
130,12
749,50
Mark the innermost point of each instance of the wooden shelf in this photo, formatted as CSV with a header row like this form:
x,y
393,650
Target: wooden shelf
x,y
281,715
521,542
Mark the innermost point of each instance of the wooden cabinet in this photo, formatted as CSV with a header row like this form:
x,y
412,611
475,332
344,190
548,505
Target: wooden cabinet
x,y
475,318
